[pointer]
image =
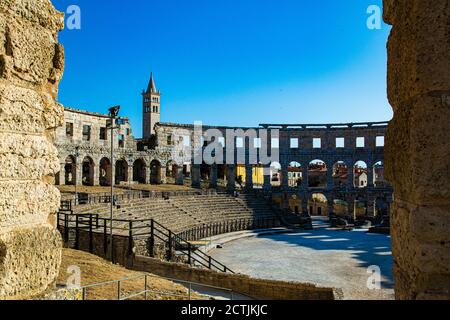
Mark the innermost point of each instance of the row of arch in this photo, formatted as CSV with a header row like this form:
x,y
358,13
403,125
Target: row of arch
x,y
359,206
122,172
318,174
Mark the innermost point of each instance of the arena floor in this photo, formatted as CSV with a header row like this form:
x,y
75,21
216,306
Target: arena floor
x,y
323,256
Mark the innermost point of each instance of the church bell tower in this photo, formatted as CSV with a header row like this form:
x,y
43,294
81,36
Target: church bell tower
x,y
151,104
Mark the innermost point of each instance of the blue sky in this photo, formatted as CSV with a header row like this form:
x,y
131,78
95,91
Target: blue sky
x,y
228,62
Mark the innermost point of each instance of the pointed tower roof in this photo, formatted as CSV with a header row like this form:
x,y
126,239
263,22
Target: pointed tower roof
x,y
151,85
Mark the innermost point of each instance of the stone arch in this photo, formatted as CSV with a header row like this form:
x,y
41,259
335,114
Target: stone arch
x,y
70,170
360,207
205,172
360,174
88,171
155,172
318,205
222,172
378,175
121,173
295,174
317,174
275,174
105,172
171,169
340,207
140,171
340,174
258,175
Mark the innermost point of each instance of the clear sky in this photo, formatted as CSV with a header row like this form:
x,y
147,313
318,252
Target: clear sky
x,y
228,62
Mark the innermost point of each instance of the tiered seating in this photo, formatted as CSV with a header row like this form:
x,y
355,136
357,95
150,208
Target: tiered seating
x,y
184,212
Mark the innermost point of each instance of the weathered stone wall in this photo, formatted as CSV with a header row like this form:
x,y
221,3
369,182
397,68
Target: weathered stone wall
x,y
418,145
257,288
31,66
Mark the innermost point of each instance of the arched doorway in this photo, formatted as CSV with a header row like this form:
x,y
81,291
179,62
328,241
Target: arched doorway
x,y
140,171
257,175
70,171
295,174
87,173
155,172
340,207
318,205
205,172
275,174
360,207
105,172
360,178
317,174
121,171
340,174
378,175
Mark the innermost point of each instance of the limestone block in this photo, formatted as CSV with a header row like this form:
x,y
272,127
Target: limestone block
x,y
431,224
29,53
27,156
26,202
30,261
417,154
418,48
40,12
26,110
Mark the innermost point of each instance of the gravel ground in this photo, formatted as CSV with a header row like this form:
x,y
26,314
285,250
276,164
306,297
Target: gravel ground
x,y
323,256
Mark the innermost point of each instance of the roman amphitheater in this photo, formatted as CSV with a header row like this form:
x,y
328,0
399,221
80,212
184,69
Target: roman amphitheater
x,y
286,211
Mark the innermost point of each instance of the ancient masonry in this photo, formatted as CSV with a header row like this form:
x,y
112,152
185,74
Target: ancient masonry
x,y
84,153
31,66
418,145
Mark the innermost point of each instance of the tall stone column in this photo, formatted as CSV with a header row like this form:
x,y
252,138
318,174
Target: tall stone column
x,y
62,175
267,178
195,175
284,177
231,178
79,172
249,177
213,178
163,179
96,175
179,176
130,174
31,66
305,181
305,199
417,150
330,180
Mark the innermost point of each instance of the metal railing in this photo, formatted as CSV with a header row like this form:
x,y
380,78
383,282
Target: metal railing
x,y
227,226
144,293
148,229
